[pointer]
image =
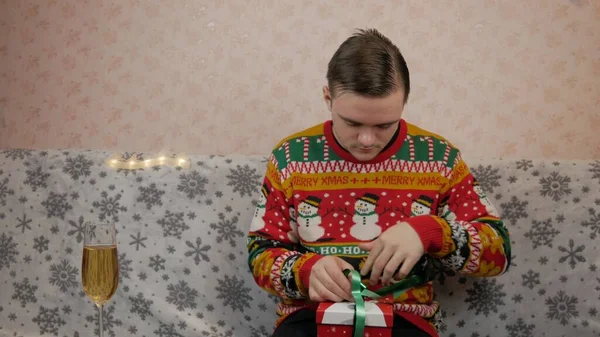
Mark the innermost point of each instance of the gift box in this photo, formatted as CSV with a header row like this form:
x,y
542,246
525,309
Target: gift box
x,y
339,319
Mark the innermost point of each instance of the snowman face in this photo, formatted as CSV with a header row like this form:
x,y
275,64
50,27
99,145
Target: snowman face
x,y
364,207
307,209
419,209
479,191
262,199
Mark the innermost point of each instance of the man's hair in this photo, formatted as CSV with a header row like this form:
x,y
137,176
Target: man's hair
x,y
368,64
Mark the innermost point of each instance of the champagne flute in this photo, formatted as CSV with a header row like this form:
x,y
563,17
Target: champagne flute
x,y
99,265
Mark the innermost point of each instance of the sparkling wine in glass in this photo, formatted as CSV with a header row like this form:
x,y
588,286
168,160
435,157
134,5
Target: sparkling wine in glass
x,y
100,265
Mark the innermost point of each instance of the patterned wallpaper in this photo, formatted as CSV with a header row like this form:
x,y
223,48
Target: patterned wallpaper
x,y
236,76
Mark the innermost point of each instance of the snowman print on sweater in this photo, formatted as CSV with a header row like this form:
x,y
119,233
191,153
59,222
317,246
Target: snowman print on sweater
x,y
259,212
365,218
446,212
489,207
421,206
309,220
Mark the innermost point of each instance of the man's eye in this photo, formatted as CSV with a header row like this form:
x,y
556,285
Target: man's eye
x,y
351,124
387,126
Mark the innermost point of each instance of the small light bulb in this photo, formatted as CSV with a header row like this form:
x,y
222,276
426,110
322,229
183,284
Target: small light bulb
x,y
114,161
131,162
181,161
161,158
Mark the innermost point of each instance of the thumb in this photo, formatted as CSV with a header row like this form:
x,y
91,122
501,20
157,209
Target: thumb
x,y
366,245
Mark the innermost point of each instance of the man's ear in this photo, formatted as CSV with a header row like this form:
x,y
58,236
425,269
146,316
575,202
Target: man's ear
x,y
327,97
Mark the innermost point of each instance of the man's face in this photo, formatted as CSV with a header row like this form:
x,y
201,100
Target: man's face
x,y
364,125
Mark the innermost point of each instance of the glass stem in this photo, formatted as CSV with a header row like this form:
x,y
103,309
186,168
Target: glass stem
x,y
100,319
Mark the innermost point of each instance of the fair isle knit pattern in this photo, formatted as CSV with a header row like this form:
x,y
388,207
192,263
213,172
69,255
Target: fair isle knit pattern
x,y
317,200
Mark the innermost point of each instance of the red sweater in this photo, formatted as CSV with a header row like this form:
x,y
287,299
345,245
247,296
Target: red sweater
x,y
318,200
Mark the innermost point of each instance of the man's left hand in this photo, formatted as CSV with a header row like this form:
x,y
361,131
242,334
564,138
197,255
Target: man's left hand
x,y
398,245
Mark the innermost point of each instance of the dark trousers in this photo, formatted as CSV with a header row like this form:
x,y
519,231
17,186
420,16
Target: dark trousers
x,y
303,324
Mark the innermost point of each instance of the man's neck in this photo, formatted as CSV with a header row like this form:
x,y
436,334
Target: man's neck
x,y
394,137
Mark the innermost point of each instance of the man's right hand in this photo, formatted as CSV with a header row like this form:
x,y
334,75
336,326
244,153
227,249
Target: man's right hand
x,y
327,281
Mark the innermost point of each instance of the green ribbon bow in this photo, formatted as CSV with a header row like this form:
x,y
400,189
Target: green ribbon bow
x,y
359,291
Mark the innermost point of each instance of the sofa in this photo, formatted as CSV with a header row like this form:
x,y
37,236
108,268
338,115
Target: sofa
x,y
182,224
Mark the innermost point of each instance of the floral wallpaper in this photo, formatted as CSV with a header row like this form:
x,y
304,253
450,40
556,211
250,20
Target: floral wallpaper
x,y
520,77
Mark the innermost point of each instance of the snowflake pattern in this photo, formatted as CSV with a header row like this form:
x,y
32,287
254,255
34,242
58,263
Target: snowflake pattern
x,y
182,296
157,263
15,154
215,332
520,329
198,251
24,223
514,210
192,184
57,205
562,307
48,320
524,165
64,275
167,330
234,293
78,167
141,306
595,170
573,254
488,177
216,213
593,223
485,296
124,267
78,229
36,178
40,244
245,180
173,224
24,292
151,196
109,207
542,233
531,279
109,321
555,186
227,229
4,190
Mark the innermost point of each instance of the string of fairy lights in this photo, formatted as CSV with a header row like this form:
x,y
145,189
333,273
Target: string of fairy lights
x,y
135,162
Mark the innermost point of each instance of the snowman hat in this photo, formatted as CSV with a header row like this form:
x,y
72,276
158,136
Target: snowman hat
x,y
313,201
265,189
370,198
476,183
425,201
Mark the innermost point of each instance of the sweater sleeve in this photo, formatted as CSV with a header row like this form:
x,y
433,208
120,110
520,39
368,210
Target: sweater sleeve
x,y
276,264
467,234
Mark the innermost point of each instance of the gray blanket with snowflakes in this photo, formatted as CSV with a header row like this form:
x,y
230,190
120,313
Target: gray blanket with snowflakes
x,y
183,263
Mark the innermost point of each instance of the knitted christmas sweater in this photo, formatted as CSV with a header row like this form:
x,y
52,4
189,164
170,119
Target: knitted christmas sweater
x,y
318,200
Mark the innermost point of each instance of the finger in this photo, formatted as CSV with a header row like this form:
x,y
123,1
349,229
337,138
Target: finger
x,y
332,282
379,264
407,266
366,245
376,249
391,267
326,294
312,294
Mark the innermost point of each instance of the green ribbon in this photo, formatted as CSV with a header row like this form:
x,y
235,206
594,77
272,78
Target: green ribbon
x,y
359,291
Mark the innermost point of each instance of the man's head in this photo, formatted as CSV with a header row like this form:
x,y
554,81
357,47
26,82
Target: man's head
x,y
368,85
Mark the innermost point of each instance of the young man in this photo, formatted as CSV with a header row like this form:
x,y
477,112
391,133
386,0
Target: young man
x,y
370,192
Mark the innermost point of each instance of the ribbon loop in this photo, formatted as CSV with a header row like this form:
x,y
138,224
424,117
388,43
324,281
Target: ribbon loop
x,y
360,291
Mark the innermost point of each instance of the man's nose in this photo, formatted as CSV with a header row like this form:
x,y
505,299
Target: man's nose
x,y
366,137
